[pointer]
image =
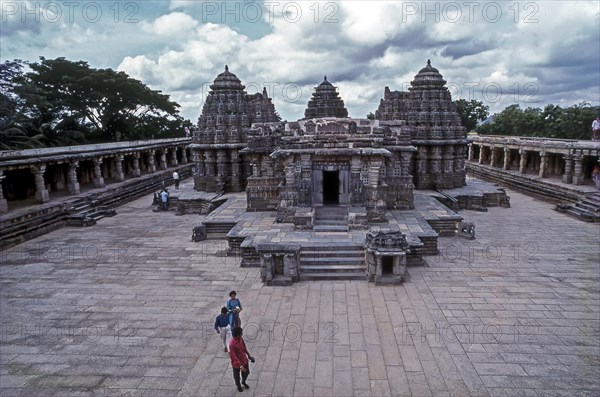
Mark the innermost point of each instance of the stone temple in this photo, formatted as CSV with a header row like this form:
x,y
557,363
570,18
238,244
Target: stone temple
x,y
329,172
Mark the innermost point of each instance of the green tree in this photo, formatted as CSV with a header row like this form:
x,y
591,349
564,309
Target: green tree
x,y
110,104
471,112
552,122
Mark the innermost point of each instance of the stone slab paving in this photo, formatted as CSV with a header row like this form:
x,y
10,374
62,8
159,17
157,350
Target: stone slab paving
x,y
126,308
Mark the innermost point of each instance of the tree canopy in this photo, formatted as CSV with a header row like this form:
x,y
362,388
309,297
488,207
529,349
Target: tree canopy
x,y
61,102
553,121
471,112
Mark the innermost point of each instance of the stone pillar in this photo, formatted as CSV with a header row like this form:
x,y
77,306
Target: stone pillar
x,y
481,150
470,158
209,163
151,162
577,171
543,164
119,167
163,159
41,194
493,153
136,165
174,161
184,158
222,170
255,163
568,175
200,162
98,180
506,164
73,184
268,166
236,183
3,202
523,162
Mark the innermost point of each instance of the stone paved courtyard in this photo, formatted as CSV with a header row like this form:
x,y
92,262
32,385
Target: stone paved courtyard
x,y
126,307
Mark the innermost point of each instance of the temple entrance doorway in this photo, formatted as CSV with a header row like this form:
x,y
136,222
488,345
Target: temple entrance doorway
x,y
331,187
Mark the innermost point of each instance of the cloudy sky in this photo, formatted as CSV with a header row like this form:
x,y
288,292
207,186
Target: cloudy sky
x,y
501,52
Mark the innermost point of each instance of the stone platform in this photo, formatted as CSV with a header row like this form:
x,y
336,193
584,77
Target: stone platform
x,y
127,308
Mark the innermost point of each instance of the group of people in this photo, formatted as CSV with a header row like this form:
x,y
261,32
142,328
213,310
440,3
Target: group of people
x,y
229,322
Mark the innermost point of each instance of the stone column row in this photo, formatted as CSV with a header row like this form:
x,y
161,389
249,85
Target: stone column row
x,y
38,170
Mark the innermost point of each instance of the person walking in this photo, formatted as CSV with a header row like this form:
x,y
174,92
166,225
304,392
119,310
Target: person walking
x,y
176,179
222,328
239,359
234,307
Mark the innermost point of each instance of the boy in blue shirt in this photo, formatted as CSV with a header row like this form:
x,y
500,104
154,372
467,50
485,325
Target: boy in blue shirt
x,y
222,328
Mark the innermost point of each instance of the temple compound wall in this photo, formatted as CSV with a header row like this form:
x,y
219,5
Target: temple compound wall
x,y
42,174
328,158
572,162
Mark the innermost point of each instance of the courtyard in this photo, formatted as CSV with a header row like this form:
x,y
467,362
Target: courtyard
x,y
127,307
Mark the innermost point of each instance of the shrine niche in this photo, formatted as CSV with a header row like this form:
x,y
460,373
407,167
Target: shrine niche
x,y
385,256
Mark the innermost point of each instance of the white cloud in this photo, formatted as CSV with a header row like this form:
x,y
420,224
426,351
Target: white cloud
x,y
372,45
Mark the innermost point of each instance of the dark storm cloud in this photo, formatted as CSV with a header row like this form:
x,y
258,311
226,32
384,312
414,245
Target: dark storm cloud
x,y
465,48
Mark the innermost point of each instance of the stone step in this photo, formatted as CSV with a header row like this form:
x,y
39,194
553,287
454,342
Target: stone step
x,y
587,206
332,276
331,218
583,215
310,262
346,253
336,222
332,268
334,247
330,228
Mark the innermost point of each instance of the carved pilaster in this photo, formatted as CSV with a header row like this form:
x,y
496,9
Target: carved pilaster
x,y
98,179
543,164
184,158
3,202
163,159
151,162
568,175
120,176
577,171
73,183
523,161
136,165
41,194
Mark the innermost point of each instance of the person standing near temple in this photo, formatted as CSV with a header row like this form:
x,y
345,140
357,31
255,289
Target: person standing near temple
x,y
234,307
596,176
164,197
239,358
595,128
222,327
176,179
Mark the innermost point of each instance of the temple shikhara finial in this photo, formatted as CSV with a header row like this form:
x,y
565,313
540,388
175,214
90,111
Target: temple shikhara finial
x,y
226,68
429,62
325,78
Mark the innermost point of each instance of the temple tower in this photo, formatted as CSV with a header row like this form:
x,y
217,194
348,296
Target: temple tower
x,y
325,102
435,129
227,114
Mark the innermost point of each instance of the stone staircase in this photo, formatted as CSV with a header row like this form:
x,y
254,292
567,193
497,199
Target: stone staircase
x,y
586,209
338,261
83,212
330,219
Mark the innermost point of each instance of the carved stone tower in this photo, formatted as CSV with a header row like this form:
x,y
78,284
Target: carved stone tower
x,y
226,116
435,129
325,102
